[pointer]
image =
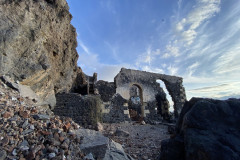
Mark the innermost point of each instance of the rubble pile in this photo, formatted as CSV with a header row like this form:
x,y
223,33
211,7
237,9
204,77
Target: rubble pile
x,y
142,142
31,132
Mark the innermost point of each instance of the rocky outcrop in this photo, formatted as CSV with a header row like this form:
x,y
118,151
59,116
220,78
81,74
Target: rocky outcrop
x,y
38,45
207,129
101,147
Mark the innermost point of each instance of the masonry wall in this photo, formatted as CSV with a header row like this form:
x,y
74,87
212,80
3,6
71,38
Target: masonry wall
x,y
150,88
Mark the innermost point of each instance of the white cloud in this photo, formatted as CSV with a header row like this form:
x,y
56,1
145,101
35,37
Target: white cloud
x,y
152,69
83,46
173,50
172,70
231,89
204,10
192,68
147,57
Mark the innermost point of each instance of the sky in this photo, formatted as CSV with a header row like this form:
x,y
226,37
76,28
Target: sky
x,y
198,40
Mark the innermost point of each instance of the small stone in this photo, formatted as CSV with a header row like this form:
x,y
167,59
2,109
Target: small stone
x,y
45,133
61,139
64,145
25,124
89,157
120,132
56,136
66,127
3,154
99,127
52,155
143,123
14,152
41,117
24,114
32,127
14,99
27,131
24,145
6,115
5,141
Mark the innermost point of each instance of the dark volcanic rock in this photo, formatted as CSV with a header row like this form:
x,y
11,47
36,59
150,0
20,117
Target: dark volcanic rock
x,y
207,130
85,110
38,45
106,90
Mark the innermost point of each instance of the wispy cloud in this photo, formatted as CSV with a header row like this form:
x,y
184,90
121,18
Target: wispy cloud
x,y
219,91
172,70
147,57
204,10
83,46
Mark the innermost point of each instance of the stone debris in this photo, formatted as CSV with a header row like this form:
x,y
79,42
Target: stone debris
x,y
30,132
141,142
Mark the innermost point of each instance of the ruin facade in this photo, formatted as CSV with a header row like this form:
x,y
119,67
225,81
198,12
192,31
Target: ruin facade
x,y
134,95
149,88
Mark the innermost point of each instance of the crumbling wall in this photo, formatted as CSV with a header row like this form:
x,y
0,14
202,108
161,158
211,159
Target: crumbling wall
x,y
116,110
105,89
85,110
150,88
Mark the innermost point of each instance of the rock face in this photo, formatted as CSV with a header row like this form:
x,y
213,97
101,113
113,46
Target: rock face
x,y
38,45
207,129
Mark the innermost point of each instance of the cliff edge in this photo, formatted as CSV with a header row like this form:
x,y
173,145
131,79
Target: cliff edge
x,y
38,46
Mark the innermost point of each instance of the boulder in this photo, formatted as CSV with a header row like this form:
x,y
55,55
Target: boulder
x,y
207,129
38,45
100,147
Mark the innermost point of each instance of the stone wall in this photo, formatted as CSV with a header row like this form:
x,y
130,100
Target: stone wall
x,y
115,110
150,88
105,89
85,110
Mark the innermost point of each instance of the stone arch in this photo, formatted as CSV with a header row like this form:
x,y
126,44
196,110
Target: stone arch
x,y
140,90
140,95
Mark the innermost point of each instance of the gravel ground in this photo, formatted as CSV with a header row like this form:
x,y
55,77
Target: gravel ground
x,y
142,142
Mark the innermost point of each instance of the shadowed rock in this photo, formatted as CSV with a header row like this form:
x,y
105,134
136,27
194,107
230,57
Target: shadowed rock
x,y
207,129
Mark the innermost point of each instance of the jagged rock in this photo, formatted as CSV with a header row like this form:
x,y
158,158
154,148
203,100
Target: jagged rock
x,y
120,132
38,45
101,147
3,154
105,89
207,129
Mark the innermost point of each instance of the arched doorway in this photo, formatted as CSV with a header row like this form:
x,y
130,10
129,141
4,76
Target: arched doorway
x,y
136,109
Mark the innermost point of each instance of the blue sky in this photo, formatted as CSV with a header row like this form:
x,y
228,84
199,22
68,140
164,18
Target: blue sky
x,y
198,40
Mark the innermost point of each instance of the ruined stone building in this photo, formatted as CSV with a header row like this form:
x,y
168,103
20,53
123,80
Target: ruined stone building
x,y
143,93
134,95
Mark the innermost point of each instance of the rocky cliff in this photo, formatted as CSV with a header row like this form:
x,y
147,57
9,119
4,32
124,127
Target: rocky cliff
x,y
38,45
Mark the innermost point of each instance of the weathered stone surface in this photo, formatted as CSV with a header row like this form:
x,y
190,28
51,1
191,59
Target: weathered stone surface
x,y
106,90
207,129
116,110
149,88
101,147
38,45
85,110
